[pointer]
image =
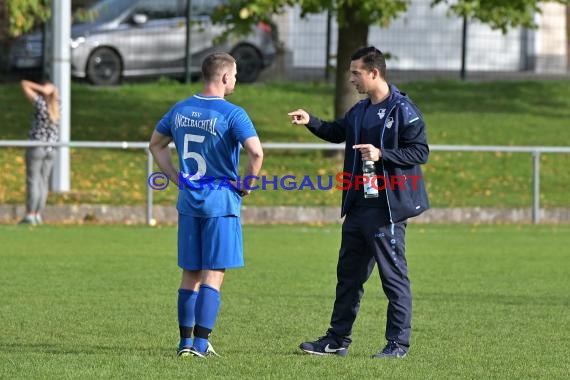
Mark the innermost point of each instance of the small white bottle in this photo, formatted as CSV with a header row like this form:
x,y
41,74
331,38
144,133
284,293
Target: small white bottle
x,y
368,170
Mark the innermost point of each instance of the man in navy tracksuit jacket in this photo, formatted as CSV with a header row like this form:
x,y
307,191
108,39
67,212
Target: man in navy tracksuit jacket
x,y
386,128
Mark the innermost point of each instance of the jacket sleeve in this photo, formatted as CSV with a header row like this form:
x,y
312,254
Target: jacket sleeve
x,y
334,131
412,147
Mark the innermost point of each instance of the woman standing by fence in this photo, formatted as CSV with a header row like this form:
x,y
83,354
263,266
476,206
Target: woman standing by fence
x,y
39,160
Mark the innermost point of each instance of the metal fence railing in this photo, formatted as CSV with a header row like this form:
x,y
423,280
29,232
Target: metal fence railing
x,y
535,151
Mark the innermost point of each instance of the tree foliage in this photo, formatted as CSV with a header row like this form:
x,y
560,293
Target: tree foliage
x,y
239,15
501,15
23,15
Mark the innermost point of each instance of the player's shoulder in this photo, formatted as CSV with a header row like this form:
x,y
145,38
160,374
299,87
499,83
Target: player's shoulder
x,y
232,106
185,102
178,105
233,110
409,110
404,105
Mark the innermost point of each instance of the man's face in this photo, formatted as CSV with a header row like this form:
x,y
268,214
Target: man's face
x,y
231,80
360,77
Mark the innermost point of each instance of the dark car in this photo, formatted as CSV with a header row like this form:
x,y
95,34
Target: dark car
x,y
125,38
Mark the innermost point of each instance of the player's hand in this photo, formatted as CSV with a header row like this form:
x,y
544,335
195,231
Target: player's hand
x,y
242,192
299,117
369,152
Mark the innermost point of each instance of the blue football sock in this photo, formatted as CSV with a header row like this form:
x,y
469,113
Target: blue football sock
x,y
186,310
207,306
200,344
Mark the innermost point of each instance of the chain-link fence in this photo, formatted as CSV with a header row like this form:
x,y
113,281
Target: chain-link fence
x,y
427,39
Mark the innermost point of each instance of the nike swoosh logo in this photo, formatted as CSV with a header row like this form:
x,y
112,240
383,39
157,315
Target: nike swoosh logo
x,y
332,350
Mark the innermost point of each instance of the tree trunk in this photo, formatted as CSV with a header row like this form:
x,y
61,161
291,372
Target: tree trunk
x,y
352,35
4,21
4,40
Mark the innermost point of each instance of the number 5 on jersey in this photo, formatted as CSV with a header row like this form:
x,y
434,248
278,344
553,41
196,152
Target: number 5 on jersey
x,y
195,156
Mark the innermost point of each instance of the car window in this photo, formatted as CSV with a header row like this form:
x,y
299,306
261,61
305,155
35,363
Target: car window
x,y
101,11
204,7
159,9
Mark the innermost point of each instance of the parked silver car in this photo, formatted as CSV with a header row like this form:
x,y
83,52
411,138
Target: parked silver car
x,y
124,38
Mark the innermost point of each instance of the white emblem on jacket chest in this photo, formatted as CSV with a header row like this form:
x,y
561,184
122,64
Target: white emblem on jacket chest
x,y
381,113
389,122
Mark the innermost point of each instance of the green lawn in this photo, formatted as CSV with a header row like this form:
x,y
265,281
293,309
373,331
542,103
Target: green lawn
x,y
498,113
98,301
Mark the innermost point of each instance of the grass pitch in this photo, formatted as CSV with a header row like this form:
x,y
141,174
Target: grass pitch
x,y
100,302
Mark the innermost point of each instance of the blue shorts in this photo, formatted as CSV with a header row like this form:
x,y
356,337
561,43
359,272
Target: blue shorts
x,y
209,243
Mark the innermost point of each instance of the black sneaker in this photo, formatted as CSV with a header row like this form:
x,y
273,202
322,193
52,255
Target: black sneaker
x,y
325,345
392,350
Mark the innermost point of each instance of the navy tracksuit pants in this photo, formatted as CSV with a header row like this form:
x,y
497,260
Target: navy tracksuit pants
x,y
369,238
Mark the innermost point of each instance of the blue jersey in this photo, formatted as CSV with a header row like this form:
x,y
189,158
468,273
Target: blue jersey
x,y
208,132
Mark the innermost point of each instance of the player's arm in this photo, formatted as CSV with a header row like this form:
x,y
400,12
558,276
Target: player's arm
x,y
161,152
329,131
413,147
254,151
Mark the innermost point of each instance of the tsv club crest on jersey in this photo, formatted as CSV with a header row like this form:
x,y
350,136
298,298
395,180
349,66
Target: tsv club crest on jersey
x,y
381,113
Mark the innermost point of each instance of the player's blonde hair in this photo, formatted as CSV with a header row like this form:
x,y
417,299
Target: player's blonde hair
x,y
215,65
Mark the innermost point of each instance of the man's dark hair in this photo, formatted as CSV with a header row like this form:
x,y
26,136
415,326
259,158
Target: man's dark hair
x,y
215,64
372,59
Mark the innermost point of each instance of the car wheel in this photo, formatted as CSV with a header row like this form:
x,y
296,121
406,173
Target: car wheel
x,y
104,67
248,63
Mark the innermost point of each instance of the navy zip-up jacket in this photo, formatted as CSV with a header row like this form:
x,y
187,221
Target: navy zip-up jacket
x,y
404,147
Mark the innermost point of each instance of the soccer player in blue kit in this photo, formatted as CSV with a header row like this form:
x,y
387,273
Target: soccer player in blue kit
x,y
207,131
